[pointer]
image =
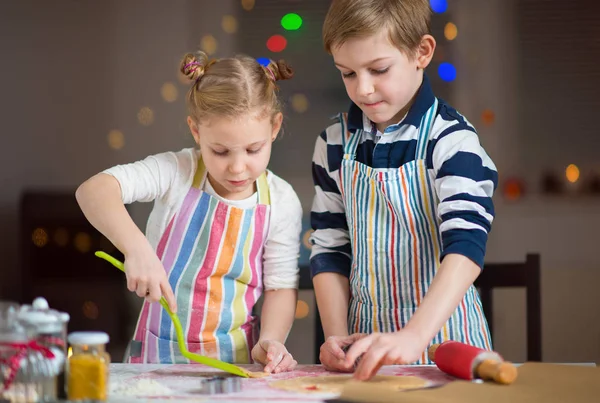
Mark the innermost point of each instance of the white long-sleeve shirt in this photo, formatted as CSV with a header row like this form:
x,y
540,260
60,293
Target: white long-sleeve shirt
x,y
167,177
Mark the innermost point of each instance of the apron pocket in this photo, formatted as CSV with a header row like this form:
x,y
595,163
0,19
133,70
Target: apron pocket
x,y
166,351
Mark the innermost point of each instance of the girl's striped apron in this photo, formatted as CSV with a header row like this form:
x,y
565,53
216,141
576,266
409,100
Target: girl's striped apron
x,y
396,244
212,253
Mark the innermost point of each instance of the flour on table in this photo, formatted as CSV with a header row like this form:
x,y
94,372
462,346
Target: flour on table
x,y
141,387
335,384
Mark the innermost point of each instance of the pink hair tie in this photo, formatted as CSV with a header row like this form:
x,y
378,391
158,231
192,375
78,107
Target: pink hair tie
x,y
271,73
191,64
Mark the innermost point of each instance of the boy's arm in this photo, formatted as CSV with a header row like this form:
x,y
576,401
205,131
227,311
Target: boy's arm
x,y
465,182
330,256
333,292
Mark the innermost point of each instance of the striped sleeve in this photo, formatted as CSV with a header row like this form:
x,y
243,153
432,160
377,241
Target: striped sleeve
x,y
465,180
331,244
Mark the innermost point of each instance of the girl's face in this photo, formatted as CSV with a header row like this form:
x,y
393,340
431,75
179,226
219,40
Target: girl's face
x,y
235,151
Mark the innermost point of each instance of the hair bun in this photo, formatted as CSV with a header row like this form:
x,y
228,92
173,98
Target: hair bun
x,y
193,66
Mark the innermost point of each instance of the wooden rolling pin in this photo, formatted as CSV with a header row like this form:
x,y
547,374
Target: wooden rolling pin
x,y
467,362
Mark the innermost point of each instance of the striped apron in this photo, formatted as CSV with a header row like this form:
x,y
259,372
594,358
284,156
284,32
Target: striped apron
x,y
396,244
212,253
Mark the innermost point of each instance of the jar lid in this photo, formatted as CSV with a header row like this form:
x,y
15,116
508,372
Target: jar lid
x,y
88,338
39,315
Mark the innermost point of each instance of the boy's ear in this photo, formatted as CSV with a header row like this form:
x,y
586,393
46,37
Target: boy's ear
x,y
425,51
194,129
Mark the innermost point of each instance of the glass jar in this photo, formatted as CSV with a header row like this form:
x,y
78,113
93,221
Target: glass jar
x,y
51,329
88,366
19,363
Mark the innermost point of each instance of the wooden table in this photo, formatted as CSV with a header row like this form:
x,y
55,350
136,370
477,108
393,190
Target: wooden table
x,y
185,382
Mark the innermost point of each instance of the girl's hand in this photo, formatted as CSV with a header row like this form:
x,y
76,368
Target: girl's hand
x,y
333,356
377,349
147,277
274,356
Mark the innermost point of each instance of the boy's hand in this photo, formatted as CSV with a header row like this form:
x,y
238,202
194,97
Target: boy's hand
x,y
274,356
377,349
147,277
332,354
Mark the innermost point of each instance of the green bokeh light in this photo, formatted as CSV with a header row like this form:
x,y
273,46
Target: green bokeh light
x,y
291,21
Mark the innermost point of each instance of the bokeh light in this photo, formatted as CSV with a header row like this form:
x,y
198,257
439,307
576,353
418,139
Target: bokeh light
x,y
438,6
145,116
302,309
229,24
572,173
299,103
488,117
306,239
291,21
263,61
61,237
169,92
83,242
90,310
116,139
276,43
447,71
247,4
39,237
208,44
513,189
450,31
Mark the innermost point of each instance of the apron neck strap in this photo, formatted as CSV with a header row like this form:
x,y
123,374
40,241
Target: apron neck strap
x,y
262,186
349,140
425,130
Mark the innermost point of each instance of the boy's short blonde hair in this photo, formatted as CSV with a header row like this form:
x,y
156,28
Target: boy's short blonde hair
x,y
406,21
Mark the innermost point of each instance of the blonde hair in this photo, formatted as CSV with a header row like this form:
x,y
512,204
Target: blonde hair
x,y
231,87
406,21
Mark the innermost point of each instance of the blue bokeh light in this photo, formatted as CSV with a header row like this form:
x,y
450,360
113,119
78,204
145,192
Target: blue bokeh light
x,y
447,71
438,6
263,61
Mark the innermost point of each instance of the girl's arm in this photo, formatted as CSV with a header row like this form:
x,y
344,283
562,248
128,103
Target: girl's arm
x,y
100,200
277,315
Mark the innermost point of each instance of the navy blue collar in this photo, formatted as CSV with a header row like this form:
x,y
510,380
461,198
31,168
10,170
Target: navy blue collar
x,y
423,102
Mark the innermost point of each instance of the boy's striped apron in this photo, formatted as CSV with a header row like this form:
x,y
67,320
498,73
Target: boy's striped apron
x,y
396,244
212,253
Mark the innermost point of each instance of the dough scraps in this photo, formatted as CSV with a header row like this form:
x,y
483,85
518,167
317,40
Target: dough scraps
x,y
335,383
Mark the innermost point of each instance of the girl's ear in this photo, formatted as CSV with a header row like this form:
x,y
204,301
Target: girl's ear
x,y
194,129
277,121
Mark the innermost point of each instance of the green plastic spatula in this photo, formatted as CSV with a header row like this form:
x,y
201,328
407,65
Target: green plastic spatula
x,y
211,362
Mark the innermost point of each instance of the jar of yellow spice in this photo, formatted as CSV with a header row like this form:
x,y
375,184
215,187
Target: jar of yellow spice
x,y
88,366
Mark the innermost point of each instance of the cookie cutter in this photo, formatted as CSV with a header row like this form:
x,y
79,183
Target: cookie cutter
x,y
220,385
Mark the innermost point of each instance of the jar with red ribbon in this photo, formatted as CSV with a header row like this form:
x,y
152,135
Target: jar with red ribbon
x,y
21,359
51,332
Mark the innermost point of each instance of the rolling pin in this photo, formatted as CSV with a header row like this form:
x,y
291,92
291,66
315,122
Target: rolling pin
x,y
467,362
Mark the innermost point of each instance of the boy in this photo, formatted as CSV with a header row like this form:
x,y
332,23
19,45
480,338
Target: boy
x,y
403,200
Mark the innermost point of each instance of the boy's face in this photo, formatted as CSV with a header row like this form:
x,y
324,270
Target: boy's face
x,y
379,78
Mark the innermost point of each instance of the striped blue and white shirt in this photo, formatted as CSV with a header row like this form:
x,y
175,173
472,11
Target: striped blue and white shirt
x,y
465,180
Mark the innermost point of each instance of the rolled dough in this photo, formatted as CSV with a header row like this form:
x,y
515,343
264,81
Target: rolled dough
x,y
335,383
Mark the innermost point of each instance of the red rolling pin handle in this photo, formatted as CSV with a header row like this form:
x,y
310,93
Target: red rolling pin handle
x,y
467,362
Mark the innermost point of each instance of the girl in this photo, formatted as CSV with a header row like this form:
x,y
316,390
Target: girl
x,y
222,228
